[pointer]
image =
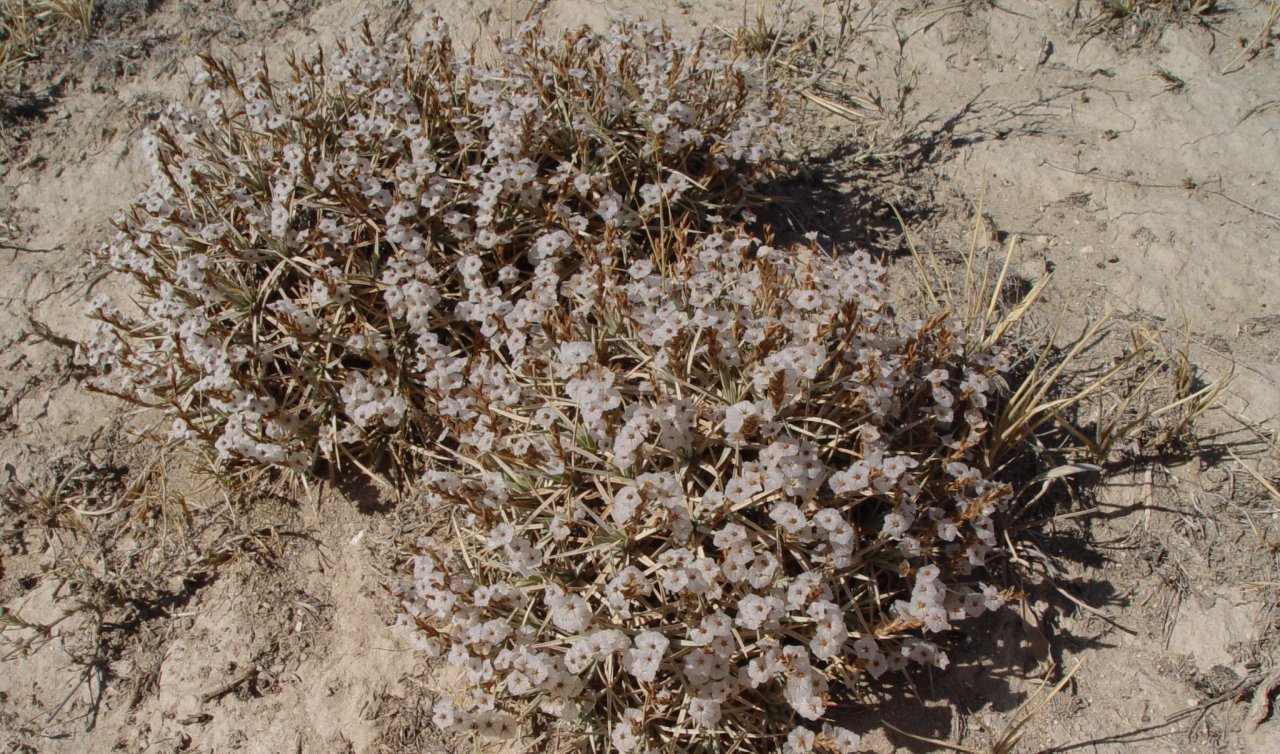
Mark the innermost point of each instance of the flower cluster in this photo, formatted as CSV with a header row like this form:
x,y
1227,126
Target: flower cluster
x,y
729,485
322,258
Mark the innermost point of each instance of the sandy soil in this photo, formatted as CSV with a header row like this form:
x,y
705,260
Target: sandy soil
x,y
150,609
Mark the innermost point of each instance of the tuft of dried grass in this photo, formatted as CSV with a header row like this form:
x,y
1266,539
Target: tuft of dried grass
x,y
1150,390
813,53
126,534
27,25
1142,20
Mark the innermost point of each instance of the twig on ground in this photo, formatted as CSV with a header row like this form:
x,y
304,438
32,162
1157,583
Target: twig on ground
x,y
1184,185
230,686
30,249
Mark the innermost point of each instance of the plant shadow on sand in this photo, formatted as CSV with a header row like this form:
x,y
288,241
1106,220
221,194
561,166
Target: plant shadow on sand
x,y
865,180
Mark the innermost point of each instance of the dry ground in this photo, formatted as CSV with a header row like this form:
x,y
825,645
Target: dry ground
x,y
149,607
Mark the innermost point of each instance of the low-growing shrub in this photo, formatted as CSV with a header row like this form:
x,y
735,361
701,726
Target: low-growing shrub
x,y
731,484
693,485
320,259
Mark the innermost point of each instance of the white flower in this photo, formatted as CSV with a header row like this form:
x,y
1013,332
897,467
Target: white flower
x,y
991,598
840,740
805,300
443,715
643,661
705,712
805,692
740,416
789,517
800,741
570,612
572,355
498,725
626,502
753,611
626,732
877,665
895,525
712,626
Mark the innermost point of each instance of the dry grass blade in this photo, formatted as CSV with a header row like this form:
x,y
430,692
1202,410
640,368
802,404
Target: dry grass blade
x,y
1009,739
19,26
832,106
1014,315
1272,441
930,284
980,302
1193,406
1256,44
1267,483
76,12
1030,407
1050,391
1171,416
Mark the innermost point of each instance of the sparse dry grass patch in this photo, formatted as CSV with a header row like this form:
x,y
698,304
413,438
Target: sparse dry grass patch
x,y
1148,393
1139,20
122,536
812,52
28,25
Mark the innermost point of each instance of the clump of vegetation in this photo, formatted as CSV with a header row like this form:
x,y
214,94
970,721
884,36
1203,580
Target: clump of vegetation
x,y
1144,19
325,260
26,25
733,485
